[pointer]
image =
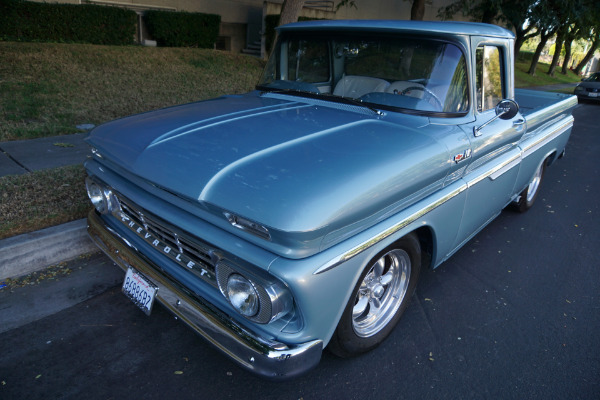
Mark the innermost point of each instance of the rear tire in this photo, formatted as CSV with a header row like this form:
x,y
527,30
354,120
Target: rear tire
x,y
379,298
528,196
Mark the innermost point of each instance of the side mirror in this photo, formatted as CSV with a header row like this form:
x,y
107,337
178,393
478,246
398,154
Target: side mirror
x,y
506,109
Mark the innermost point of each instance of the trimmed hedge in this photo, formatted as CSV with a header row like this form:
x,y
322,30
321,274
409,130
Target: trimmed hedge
x,y
27,21
183,29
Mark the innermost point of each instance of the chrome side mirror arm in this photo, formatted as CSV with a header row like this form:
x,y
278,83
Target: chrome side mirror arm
x,y
506,109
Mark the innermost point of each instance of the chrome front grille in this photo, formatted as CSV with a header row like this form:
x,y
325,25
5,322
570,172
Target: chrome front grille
x,y
198,252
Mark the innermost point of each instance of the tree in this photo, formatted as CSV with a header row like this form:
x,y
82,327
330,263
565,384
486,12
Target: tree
x,y
548,16
560,39
589,30
478,10
514,14
290,11
417,10
595,44
545,34
570,37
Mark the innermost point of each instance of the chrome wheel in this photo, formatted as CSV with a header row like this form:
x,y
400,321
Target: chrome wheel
x,y
535,184
379,298
527,197
381,292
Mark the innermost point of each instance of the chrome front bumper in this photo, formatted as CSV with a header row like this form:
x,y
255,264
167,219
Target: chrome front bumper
x,y
264,357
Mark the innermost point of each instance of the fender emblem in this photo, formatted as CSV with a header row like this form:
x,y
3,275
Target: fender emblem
x,y
462,156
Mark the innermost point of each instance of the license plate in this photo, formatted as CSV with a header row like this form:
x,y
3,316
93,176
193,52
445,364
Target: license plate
x,y
593,94
139,290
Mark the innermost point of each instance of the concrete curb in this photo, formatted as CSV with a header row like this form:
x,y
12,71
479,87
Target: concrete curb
x,y
30,252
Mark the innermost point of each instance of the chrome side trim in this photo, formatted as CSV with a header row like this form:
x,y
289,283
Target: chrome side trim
x,y
540,142
489,157
505,167
263,356
496,171
389,231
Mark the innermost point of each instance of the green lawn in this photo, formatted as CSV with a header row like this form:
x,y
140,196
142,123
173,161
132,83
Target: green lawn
x,y
41,199
541,77
47,89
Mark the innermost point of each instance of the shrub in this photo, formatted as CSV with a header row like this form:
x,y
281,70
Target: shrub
x,y
27,21
183,29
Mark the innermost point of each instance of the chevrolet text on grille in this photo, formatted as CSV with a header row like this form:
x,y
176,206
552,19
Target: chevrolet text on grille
x,y
164,248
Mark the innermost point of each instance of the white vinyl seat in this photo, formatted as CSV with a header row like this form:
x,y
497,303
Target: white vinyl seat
x,y
399,86
356,86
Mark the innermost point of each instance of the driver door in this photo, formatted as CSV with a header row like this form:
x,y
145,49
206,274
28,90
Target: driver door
x,y
494,159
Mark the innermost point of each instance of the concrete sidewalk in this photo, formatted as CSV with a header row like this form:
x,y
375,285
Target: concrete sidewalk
x,y
23,156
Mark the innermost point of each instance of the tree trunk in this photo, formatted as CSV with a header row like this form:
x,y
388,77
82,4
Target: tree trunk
x,y
521,35
290,10
568,47
417,11
538,52
519,40
560,38
588,56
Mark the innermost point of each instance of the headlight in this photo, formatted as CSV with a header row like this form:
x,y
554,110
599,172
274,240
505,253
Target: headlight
x,y
102,198
96,195
242,295
260,298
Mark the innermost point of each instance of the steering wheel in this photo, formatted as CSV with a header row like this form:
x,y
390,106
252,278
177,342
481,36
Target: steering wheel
x,y
429,93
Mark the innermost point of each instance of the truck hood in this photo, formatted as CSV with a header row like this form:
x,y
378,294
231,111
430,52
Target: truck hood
x,y
297,166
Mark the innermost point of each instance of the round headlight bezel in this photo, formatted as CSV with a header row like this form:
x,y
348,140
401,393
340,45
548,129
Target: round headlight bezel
x,y
96,194
103,199
242,295
275,300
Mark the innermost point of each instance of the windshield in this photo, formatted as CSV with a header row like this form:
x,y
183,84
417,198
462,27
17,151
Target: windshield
x,y
383,71
594,78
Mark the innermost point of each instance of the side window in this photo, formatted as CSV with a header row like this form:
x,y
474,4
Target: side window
x,y
308,61
489,77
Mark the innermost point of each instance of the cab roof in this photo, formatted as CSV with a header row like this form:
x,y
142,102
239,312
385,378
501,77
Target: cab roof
x,y
437,27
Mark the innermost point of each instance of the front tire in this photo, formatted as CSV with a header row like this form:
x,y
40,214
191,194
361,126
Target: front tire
x,y
379,298
528,196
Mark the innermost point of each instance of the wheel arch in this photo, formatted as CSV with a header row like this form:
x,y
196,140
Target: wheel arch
x,y
426,238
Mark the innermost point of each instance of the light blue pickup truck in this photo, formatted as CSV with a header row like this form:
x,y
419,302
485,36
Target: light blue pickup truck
x,y
299,215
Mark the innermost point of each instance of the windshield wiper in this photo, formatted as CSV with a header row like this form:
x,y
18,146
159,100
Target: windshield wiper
x,y
350,100
293,92
319,96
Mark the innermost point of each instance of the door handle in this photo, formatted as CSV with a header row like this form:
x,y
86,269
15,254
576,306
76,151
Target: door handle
x,y
519,124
